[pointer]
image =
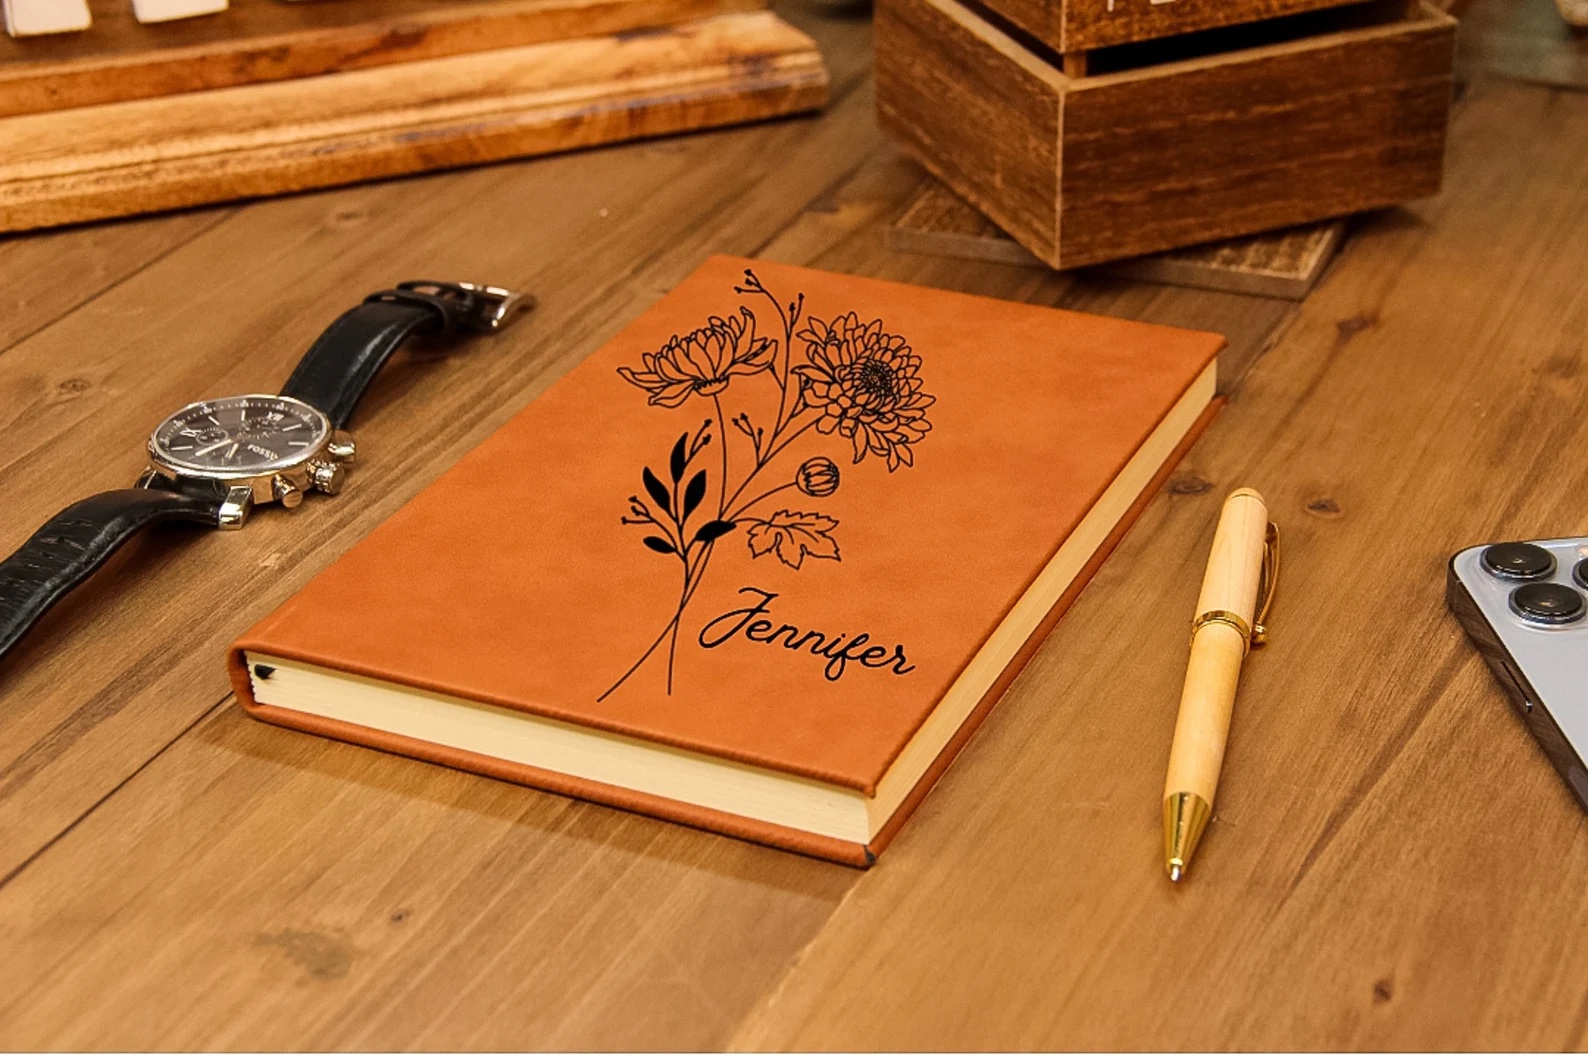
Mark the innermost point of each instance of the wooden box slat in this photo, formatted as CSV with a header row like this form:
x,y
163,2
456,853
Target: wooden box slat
x,y
118,59
1089,170
200,147
1082,25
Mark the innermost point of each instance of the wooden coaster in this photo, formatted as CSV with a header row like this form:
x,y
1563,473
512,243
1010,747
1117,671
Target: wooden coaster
x,y
1278,264
198,147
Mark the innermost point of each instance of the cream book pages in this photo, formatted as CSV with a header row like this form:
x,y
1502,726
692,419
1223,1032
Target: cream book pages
x,y
169,10
31,18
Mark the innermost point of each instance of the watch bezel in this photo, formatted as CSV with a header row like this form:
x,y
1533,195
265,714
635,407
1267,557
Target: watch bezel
x,y
170,466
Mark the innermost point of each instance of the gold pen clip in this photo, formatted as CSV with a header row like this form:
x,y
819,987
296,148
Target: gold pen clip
x,y
1267,583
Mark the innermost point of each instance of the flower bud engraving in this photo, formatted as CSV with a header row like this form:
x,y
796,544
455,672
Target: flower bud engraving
x,y
817,477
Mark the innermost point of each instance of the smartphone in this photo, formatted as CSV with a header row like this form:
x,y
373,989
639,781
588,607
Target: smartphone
x,y
1525,607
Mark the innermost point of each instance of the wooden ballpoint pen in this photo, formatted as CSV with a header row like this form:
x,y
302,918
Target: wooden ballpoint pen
x,y
1237,589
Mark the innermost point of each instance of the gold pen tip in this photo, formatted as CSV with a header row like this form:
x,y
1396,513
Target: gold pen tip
x,y
1176,870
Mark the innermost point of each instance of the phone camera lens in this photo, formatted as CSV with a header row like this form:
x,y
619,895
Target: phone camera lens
x,y
1581,574
1547,602
1518,560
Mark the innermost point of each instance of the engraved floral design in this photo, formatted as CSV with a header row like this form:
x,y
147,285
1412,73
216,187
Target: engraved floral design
x,y
853,379
703,361
867,385
817,477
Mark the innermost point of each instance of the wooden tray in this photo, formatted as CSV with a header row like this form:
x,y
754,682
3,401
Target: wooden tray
x,y
1285,263
143,155
118,59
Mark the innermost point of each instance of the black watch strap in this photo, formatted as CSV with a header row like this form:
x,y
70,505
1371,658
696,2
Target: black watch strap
x,y
334,373
77,540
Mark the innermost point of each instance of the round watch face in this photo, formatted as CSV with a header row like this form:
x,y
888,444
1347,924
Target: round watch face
x,y
240,436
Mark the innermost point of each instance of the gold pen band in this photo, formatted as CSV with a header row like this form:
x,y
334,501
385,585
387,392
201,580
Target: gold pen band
x,y
1219,615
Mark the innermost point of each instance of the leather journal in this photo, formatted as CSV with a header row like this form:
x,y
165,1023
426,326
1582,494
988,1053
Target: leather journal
x,y
759,565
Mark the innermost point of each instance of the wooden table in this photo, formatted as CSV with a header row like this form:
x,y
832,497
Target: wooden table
x,y
1393,863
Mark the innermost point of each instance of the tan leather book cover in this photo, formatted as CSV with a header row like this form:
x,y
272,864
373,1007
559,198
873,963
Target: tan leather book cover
x,y
772,521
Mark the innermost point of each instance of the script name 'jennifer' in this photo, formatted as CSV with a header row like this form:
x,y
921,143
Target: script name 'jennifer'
x,y
839,649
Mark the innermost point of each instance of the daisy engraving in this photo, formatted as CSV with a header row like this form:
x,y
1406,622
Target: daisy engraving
x,y
848,379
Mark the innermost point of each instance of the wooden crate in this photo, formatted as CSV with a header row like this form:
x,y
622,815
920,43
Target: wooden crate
x,y
1177,142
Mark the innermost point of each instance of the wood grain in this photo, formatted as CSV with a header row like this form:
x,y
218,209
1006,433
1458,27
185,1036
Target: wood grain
x,y
1285,263
42,278
1315,128
1167,154
979,111
243,142
1366,861
239,886
119,58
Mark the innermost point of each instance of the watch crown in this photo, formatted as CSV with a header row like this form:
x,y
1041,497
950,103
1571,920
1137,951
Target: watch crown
x,y
286,492
341,446
326,476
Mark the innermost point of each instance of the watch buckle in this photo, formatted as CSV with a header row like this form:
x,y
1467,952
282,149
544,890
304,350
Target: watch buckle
x,y
490,306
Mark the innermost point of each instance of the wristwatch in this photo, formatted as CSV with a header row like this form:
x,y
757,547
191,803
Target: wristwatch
x,y
214,462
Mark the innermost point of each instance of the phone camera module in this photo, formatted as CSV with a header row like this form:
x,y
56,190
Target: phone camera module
x,y
1548,603
1518,561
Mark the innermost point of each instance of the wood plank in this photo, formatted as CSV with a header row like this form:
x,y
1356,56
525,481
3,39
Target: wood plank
x,y
1366,861
118,58
1286,263
202,147
43,278
316,895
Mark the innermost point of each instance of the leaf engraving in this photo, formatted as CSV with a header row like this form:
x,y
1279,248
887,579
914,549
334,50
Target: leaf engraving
x,y
794,536
694,493
659,544
713,530
680,458
658,491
